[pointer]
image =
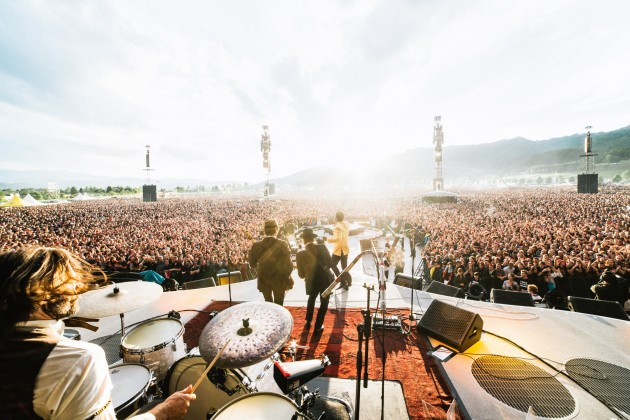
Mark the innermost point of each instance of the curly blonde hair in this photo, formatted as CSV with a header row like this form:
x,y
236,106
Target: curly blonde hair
x,y
39,278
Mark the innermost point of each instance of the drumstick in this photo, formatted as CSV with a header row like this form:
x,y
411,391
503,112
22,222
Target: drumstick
x,y
205,372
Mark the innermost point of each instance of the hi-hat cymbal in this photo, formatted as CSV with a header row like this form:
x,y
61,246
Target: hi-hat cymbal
x,y
256,330
117,298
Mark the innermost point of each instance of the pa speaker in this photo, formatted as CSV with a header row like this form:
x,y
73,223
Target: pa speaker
x,y
445,289
587,183
149,193
408,281
454,326
232,277
608,308
511,297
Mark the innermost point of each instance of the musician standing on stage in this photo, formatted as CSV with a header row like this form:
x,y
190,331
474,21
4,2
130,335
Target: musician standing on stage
x,y
313,265
42,373
341,248
271,257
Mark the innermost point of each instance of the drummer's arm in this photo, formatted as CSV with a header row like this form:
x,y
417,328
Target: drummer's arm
x,y
175,406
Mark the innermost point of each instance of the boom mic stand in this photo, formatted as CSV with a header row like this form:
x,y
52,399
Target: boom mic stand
x,y
229,270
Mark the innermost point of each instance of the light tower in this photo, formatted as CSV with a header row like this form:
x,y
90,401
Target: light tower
x,y
149,191
265,148
438,140
587,180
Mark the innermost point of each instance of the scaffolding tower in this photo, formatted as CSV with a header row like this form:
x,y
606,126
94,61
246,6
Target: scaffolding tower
x,y
438,140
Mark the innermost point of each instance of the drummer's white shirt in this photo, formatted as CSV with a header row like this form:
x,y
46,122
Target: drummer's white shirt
x,y
74,381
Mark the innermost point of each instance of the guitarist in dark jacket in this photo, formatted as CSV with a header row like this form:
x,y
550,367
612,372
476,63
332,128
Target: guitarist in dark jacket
x,y
313,265
272,259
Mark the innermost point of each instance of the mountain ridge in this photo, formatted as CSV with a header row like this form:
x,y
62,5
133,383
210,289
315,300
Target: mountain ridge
x,y
513,157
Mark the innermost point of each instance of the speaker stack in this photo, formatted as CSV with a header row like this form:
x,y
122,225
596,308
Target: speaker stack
x,y
149,193
587,183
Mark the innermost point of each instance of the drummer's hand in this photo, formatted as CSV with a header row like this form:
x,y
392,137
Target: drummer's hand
x,y
175,406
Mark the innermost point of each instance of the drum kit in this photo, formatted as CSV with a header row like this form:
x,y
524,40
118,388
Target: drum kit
x,y
236,369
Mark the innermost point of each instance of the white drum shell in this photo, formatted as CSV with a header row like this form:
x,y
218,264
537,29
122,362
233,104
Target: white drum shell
x,y
261,405
157,343
130,384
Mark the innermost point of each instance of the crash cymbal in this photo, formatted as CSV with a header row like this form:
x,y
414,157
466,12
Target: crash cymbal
x,y
117,298
256,330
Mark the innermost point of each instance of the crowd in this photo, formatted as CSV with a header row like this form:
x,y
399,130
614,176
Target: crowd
x,y
511,239
537,235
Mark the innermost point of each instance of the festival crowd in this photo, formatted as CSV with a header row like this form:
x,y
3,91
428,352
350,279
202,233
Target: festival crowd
x,y
516,236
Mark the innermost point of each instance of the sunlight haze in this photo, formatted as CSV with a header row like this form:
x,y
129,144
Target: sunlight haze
x,y
84,86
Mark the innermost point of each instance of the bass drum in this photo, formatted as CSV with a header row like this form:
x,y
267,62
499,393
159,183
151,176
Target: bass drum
x,y
262,405
220,386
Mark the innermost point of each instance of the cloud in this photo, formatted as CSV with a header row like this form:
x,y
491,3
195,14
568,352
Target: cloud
x,y
335,81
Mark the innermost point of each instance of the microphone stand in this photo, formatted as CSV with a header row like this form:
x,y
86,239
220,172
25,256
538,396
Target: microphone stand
x,y
367,320
357,399
412,242
364,329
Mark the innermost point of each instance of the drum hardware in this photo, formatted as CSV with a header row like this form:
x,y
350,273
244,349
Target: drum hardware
x,y
205,372
220,386
292,348
311,403
257,331
305,399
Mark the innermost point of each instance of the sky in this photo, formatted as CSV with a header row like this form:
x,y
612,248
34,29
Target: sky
x,y
86,86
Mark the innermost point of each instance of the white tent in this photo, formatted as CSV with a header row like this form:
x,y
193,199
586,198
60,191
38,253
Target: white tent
x,y
29,200
82,197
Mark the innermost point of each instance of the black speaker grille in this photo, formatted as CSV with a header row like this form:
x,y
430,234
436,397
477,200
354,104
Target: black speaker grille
x,y
447,320
606,381
522,385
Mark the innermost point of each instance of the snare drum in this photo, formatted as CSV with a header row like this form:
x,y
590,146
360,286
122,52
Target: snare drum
x,y
157,343
262,405
219,386
130,384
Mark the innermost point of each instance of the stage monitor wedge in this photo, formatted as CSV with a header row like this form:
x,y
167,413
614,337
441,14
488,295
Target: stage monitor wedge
x,y
407,281
454,326
608,308
445,289
511,297
232,277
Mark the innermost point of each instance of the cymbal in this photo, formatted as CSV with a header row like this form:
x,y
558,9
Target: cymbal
x,y
117,298
256,330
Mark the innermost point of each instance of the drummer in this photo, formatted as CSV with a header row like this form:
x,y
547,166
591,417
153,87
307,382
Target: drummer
x,y
42,374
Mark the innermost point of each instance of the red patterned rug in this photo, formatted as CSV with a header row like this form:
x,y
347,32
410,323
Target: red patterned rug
x,y
405,355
